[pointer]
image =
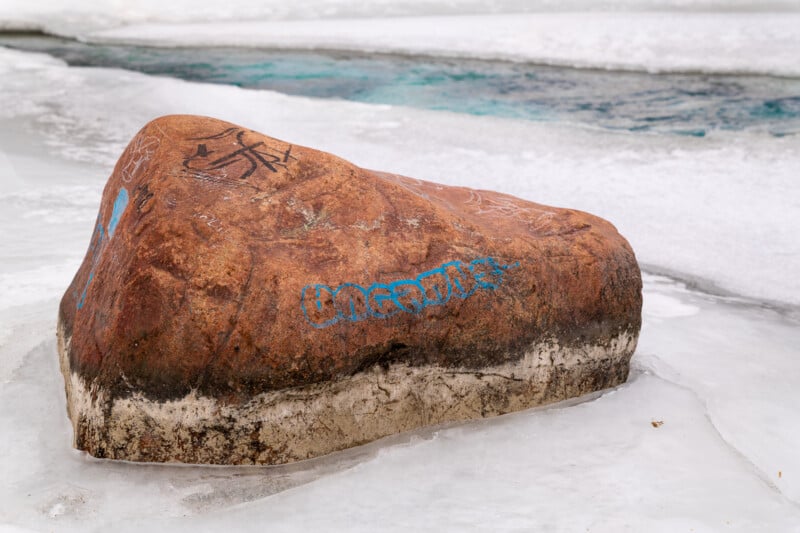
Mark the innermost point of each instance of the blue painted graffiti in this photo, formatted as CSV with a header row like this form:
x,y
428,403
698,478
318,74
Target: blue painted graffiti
x,y
323,306
99,237
119,207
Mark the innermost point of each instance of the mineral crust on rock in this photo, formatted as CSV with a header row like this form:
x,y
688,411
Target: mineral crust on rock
x,y
246,300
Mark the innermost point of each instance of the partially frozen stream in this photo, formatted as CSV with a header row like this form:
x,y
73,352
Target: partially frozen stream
x,y
703,437
685,104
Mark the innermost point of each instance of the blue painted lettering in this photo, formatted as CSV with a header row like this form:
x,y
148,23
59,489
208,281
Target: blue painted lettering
x,y
323,306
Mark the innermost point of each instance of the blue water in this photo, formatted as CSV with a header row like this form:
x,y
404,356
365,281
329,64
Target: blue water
x,y
686,104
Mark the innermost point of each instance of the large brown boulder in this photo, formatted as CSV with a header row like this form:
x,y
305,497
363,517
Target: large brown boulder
x,y
245,300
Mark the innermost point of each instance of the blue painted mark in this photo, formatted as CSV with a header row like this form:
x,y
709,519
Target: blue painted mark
x,y
99,237
119,207
323,306
85,288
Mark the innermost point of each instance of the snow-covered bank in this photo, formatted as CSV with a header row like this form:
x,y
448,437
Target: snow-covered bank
x,y
762,43
719,36
71,17
722,209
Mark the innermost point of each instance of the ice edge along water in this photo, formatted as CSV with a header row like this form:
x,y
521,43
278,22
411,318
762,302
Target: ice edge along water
x,y
733,43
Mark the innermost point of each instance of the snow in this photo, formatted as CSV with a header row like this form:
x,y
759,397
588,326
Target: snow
x,y
656,42
720,371
71,16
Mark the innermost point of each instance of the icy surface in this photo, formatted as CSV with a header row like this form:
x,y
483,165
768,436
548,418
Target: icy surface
x,y
703,437
733,36
71,16
656,42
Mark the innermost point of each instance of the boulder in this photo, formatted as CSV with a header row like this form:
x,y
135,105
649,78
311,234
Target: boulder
x,y
245,300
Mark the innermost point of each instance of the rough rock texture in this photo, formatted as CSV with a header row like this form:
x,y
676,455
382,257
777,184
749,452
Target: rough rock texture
x,y
245,300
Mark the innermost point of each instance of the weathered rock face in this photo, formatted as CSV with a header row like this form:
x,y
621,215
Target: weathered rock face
x,y
245,300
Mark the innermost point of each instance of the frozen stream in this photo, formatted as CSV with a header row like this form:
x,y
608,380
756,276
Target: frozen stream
x,y
703,437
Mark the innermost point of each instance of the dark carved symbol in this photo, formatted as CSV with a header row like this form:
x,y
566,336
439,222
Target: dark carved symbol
x,y
244,158
143,195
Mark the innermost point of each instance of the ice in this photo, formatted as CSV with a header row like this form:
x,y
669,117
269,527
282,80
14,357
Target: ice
x,y
749,386
703,437
656,42
658,306
69,15
730,36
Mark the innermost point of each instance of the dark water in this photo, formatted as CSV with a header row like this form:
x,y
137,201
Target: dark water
x,y
688,104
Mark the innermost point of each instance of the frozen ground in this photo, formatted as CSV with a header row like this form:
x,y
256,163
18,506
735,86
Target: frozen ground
x,y
721,372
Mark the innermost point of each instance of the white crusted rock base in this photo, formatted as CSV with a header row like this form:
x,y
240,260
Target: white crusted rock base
x,y
314,420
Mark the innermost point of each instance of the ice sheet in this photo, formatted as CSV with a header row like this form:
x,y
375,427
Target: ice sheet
x,y
652,35
656,42
749,383
70,16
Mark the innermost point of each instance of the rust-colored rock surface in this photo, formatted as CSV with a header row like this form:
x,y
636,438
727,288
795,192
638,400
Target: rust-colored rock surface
x,y
246,300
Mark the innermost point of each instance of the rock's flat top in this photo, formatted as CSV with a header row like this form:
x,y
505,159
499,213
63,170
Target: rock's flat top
x,y
230,263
